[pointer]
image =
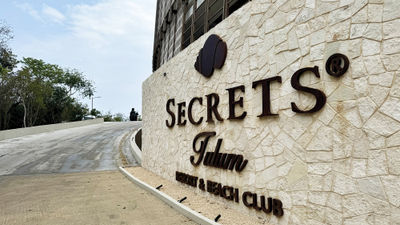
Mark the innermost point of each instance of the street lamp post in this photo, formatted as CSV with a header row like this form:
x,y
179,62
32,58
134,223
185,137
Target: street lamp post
x,y
94,98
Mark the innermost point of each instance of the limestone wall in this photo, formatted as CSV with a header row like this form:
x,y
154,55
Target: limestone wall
x,y
340,165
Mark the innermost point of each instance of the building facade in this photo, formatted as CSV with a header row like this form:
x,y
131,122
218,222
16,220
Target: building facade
x,y
181,22
289,105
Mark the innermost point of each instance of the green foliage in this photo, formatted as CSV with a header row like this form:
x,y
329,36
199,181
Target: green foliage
x,y
108,117
7,89
119,117
38,92
5,34
74,112
95,112
7,59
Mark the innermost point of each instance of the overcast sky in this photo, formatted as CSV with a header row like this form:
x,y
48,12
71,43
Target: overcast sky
x,y
110,41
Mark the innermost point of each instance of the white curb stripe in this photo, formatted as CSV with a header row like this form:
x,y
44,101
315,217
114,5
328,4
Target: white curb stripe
x,y
193,215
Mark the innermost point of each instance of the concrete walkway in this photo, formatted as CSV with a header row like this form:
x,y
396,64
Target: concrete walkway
x,y
105,197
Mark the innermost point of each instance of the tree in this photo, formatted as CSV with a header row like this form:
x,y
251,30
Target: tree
x,y
75,111
37,93
75,82
8,62
5,34
45,92
40,83
95,112
7,59
34,84
7,97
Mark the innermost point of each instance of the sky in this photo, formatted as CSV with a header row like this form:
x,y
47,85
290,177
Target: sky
x,y
109,41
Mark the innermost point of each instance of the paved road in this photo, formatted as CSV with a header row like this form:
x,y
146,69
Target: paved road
x,y
37,186
88,148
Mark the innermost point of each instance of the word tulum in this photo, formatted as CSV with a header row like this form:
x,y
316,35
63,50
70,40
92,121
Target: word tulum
x,y
216,159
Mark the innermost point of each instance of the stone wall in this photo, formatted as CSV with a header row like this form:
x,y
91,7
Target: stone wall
x,y
340,165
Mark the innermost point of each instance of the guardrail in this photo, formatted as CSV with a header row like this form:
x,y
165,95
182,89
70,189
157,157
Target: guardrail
x,y
19,132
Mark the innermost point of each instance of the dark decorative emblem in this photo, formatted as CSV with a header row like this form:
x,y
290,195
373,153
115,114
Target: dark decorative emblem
x,y
212,55
337,65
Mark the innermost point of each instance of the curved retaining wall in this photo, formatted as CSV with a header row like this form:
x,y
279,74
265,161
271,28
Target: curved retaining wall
x,y
14,133
137,152
339,165
138,138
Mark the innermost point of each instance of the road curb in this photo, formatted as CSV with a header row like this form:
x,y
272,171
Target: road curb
x,y
137,153
193,215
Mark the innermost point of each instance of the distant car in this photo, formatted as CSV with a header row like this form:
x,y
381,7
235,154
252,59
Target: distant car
x,y
88,117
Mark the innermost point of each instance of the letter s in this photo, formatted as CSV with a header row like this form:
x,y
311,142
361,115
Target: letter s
x,y
170,125
319,95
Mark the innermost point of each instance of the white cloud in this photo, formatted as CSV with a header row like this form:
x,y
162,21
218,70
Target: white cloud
x,y
53,14
109,41
28,8
45,15
109,19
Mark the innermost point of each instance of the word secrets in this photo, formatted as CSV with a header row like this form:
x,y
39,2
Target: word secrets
x,y
336,66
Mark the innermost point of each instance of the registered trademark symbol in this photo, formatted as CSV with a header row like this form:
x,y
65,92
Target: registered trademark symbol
x,y
337,65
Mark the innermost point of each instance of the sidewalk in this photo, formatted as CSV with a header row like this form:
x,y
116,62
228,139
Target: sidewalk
x,y
81,198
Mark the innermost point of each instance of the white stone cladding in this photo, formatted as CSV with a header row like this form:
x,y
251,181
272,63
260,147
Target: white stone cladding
x,y
340,165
